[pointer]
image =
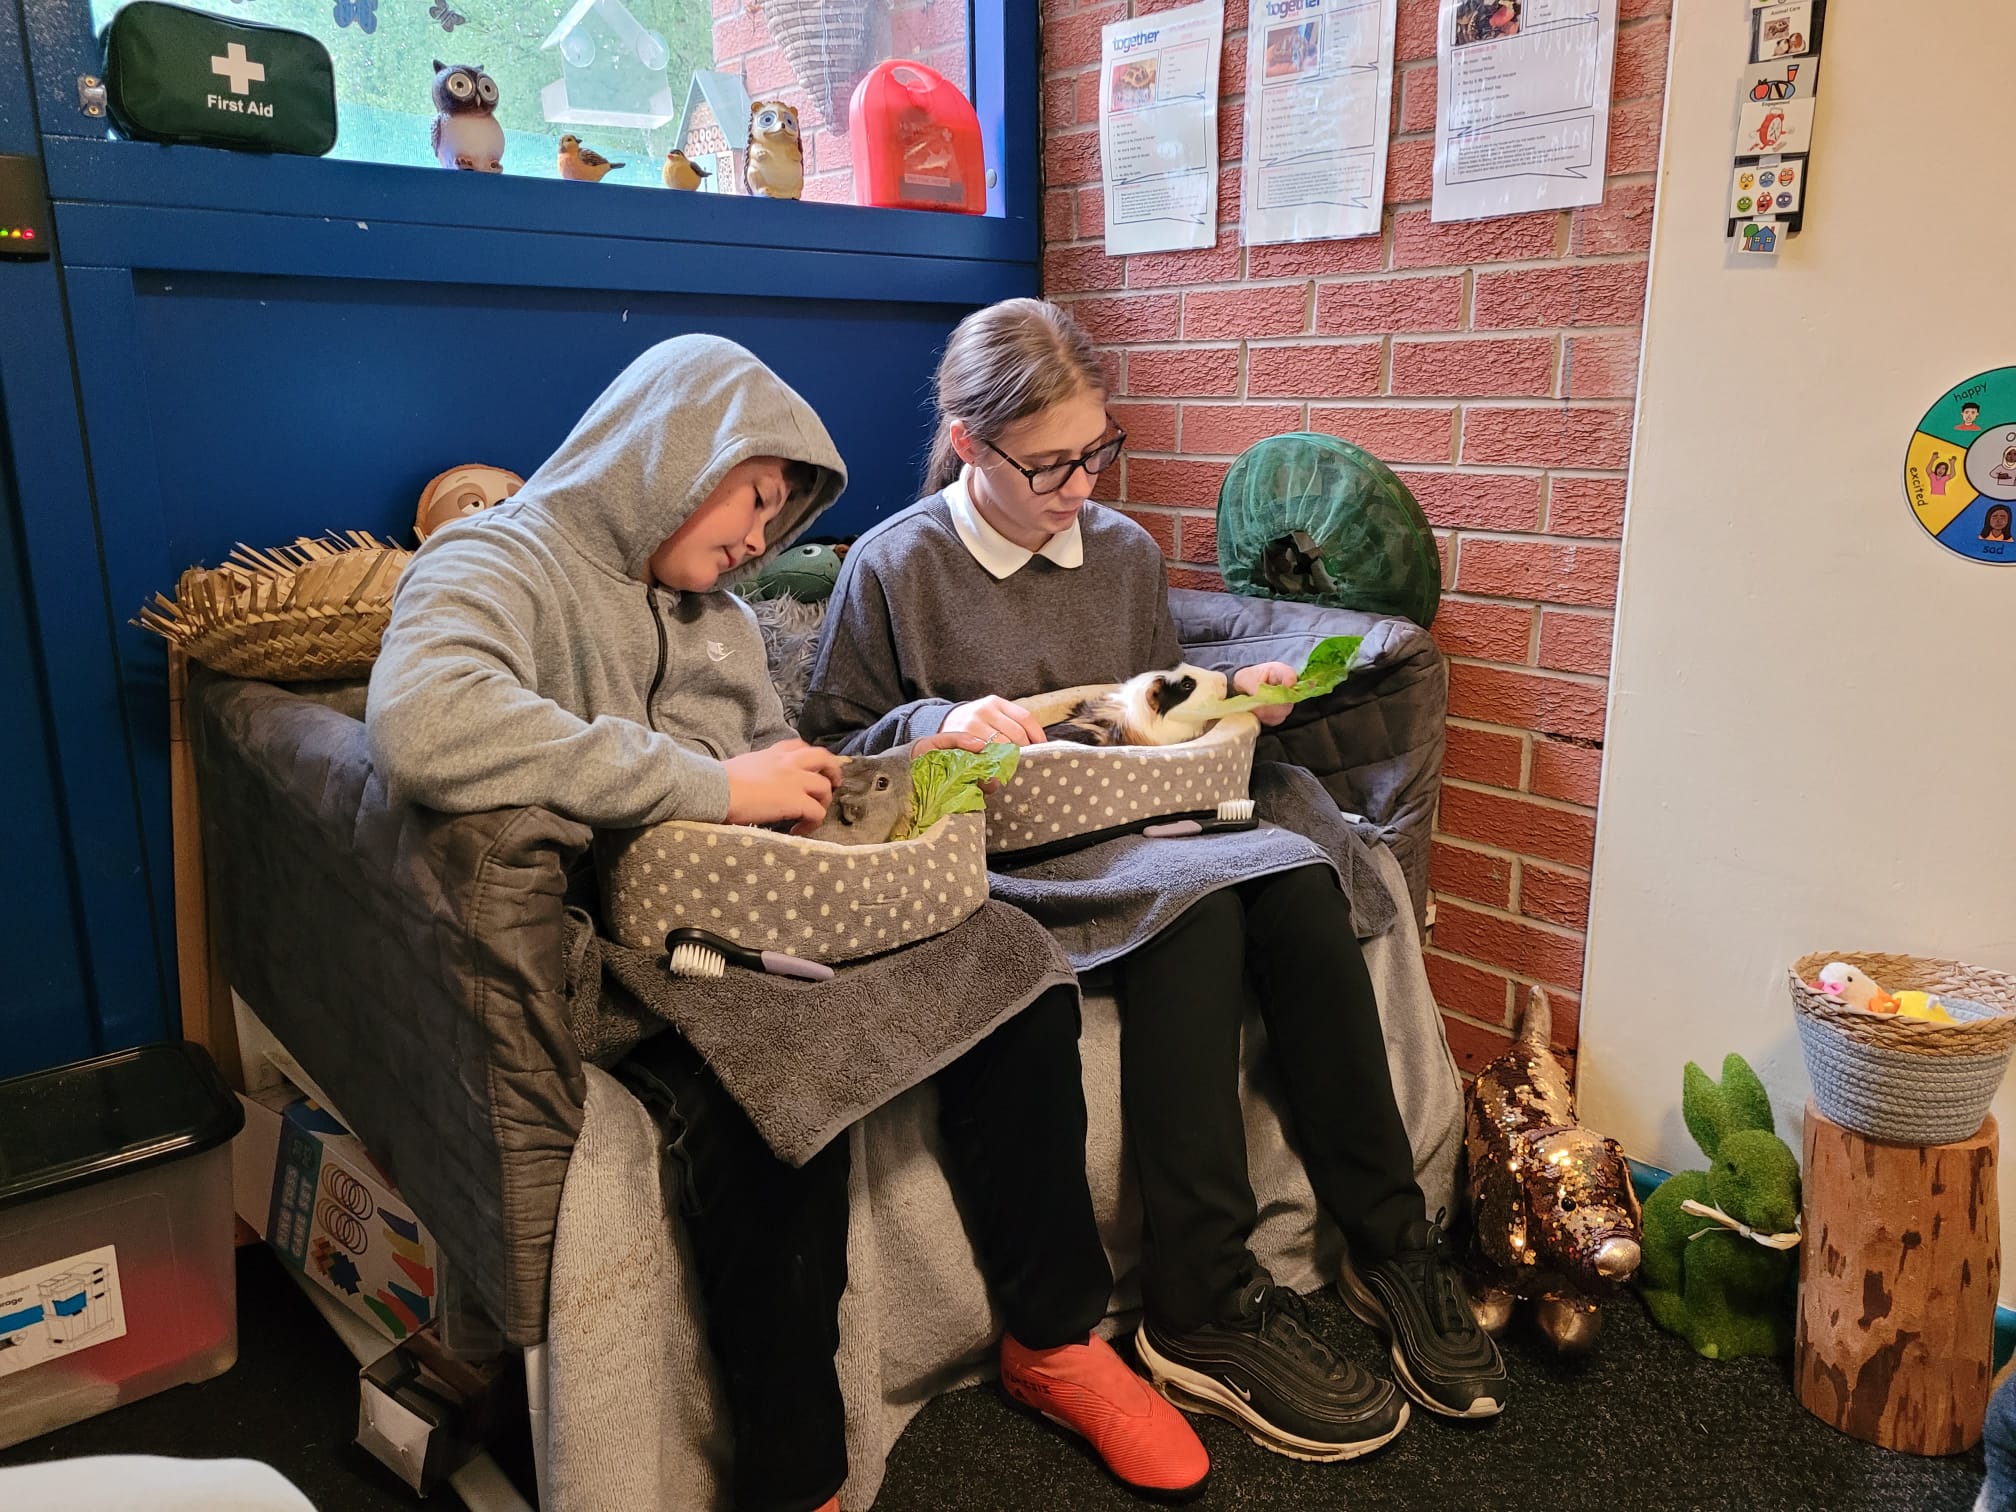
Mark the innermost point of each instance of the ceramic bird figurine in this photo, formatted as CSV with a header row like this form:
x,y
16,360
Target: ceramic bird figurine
x,y
466,134
681,172
776,165
582,164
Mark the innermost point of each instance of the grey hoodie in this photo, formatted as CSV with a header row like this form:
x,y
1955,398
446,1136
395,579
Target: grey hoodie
x,y
527,661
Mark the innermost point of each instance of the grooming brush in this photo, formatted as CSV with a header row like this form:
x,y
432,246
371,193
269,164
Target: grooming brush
x,y
1233,815
697,953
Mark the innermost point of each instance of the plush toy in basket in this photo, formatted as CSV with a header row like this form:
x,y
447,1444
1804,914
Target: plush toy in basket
x,y
900,857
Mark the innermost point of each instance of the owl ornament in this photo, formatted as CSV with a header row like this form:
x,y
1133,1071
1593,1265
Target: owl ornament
x,y
776,164
466,133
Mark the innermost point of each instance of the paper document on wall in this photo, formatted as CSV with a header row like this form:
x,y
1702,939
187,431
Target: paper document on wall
x,y
1158,129
1319,106
1522,117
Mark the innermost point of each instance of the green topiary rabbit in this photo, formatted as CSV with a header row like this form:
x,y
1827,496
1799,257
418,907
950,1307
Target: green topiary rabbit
x,y
1721,1290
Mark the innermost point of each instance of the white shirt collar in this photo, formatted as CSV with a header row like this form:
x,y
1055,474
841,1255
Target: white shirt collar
x,y
994,551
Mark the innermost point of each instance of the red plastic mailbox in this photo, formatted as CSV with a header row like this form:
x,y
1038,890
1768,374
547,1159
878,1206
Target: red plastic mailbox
x,y
916,142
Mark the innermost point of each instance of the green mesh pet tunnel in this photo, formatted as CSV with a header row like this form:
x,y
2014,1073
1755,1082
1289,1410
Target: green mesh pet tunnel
x,y
1316,519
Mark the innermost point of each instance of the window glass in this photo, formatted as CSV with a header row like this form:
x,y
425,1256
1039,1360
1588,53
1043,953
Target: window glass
x,y
630,80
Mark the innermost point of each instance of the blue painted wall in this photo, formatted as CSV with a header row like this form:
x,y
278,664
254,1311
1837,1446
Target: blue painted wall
x,y
235,348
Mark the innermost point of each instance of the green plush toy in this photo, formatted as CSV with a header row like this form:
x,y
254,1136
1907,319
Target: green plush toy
x,y
805,573
1723,1278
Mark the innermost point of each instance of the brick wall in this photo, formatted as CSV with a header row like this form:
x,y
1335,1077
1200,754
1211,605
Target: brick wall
x,y
931,32
1493,364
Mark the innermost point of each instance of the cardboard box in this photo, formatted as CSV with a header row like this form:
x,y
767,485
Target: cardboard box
x,y
424,1414
315,1195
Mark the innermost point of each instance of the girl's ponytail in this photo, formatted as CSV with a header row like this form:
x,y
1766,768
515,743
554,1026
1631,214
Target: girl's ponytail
x,y
1005,363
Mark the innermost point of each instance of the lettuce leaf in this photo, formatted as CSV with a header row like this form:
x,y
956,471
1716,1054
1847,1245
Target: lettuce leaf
x,y
1328,665
948,782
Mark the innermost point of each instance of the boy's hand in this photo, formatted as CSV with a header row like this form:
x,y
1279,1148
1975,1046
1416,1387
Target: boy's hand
x,y
994,718
787,781
1246,679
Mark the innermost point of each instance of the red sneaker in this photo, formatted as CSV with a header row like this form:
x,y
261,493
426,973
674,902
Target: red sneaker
x,y
832,1504
1088,1389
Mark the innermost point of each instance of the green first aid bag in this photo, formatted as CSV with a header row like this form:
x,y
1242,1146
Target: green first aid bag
x,y
178,75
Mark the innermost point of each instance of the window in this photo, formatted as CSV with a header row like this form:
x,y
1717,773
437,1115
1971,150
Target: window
x,y
631,79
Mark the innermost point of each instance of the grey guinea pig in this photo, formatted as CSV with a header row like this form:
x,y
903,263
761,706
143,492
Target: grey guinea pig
x,y
873,798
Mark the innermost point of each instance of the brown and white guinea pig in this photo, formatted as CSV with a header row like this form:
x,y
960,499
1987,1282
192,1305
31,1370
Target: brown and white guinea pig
x,y
1144,710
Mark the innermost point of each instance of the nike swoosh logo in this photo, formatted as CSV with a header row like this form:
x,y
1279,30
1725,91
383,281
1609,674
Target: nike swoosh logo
x,y
1244,1394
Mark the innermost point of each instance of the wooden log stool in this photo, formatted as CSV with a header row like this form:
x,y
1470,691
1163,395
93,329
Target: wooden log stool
x,y
1898,1277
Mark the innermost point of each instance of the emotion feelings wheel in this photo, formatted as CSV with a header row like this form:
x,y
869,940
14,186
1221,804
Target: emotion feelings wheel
x,y
1960,473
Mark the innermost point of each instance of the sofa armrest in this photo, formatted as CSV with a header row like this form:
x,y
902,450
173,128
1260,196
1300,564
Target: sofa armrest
x,y
1376,743
412,962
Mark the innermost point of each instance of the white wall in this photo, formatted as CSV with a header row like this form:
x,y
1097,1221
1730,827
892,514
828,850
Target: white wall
x,y
1812,737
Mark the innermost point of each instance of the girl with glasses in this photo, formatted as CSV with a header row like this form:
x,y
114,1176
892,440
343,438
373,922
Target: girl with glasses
x,y
1006,579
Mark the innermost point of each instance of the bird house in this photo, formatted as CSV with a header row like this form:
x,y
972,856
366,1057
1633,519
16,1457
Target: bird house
x,y
714,126
612,69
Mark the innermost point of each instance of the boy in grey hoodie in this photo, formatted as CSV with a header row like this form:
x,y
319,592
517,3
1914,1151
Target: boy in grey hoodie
x,y
566,649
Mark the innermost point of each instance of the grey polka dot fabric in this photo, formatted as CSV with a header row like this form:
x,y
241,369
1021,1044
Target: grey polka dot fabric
x,y
1061,791
807,898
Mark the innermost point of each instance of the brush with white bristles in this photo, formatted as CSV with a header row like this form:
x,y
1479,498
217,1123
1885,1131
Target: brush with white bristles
x,y
698,953
1234,814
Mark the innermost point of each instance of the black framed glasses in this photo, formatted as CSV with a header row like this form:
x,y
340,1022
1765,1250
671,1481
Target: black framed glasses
x,y
1047,480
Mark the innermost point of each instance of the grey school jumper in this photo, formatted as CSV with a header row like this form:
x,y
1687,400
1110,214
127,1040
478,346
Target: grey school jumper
x,y
917,626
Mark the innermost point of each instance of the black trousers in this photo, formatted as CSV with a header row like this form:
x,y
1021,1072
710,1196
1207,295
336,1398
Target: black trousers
x,y
769,1240
1179,1084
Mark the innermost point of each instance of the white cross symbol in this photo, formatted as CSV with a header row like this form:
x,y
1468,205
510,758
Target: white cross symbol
x,y
239,69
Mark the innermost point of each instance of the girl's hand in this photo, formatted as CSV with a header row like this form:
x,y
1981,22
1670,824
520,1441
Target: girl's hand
x,y
946,740
1246,679
787,781
994,718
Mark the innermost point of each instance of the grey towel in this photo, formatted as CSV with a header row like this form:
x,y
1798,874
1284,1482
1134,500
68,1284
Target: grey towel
x,y
1111,898
806,1059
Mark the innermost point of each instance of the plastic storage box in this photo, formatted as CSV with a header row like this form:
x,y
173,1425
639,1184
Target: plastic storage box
x,y
117,1276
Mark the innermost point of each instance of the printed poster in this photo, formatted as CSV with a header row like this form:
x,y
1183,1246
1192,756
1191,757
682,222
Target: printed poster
x,y
1319,108
1523,107
1158,129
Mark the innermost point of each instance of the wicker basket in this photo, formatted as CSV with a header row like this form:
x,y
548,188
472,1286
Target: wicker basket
x,y
824,42
1906,1080
311,612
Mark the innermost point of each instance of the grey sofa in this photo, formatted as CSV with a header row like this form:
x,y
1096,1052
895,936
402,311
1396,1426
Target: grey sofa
x,y
413,962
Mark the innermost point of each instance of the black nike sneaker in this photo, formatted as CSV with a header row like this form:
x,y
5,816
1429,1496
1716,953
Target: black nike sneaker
x,y
1442,1358
1263,1367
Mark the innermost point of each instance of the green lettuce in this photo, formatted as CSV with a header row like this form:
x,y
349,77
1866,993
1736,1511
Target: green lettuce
x,y
1328,665
949,782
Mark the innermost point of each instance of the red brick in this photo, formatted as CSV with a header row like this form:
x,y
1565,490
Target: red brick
x,y
1392,435
1130,317
1601,367
1060,104
1381,306
1419,242
1622,223
1232,69
1149,427
1072,270
1579,294
1071,158
1554,897
1632,10
932,25
1231,133
1159,524
830,189
1228,429
1480,501
770,75
1547,437
1560,573
1511,367
1316,259
1523,949
1233,314
1489,632
1073,41
1541,701
739,32
1309,372
1491,757
1415,32
1110,487
1199,538
1517,824
1586,507
1472,1047
1641,61
1219,264
1634,137
1087,97
1470,990
1113,368
1092,216
1204,371
1056,215
1156,480
1196,577
1457,871
1576,642
1417,98
1229,199
1572,773
1565,1010
1410,171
